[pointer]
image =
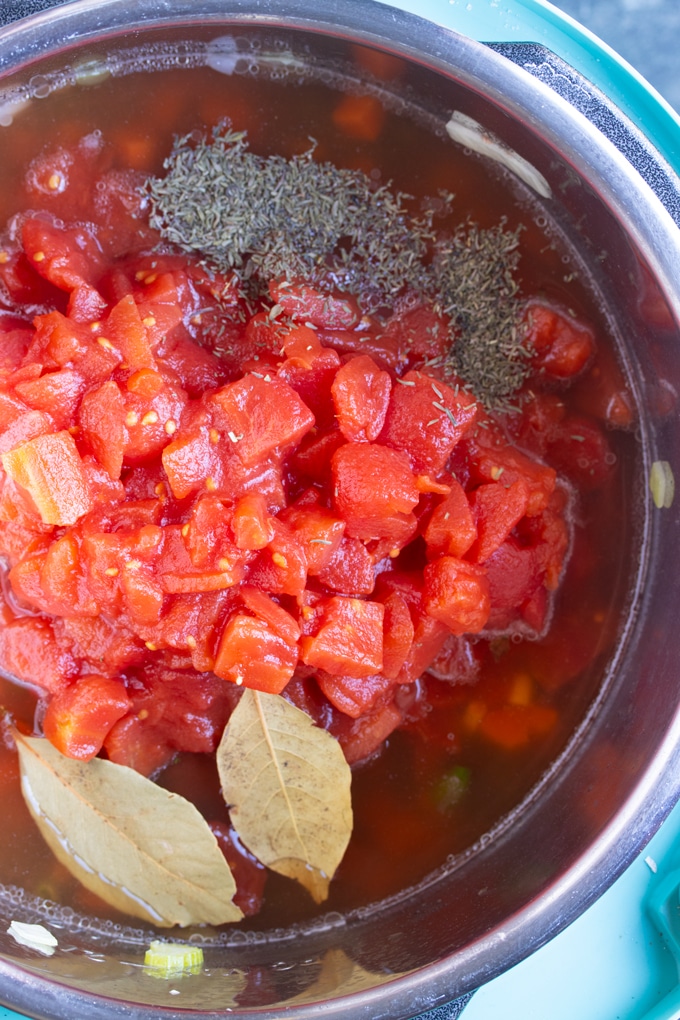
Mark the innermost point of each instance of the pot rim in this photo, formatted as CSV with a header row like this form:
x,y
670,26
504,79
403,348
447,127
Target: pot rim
x,y
652,229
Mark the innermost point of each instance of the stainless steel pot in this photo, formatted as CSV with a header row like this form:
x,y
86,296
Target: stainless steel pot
x,y
619,202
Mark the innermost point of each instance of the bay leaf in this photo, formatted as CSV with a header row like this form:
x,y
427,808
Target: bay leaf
x,y
287,785
141,849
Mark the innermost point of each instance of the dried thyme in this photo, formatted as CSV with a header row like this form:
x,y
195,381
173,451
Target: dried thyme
x,y
476,289
271,217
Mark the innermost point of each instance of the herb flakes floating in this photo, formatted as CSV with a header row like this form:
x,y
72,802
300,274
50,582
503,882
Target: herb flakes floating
x,y
477,290
271,218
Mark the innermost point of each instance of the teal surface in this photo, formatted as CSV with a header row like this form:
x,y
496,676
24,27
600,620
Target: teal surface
x,y
538,21
611,963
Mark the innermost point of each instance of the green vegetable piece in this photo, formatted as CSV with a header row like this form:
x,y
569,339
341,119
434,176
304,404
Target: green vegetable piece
x,y
451,787
172,959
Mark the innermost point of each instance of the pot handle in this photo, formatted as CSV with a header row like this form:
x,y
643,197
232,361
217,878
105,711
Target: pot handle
x,y
580,93
662,907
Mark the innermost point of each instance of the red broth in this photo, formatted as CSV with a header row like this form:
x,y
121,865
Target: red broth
x,y
481,727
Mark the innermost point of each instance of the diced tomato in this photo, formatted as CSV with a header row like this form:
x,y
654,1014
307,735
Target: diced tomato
x,y
152,416
310,373
192,623
251,653
281,568
27,426
305,303
451,529
49,468
261,416
426,418
11,408
102,422
457,593
561,346
312,459
178,574
354,696
429,636
125,329
196,369
250,522
350,570
496,509
349,640
318,531
361,395
56,393
398,635
139,746
173,711
579,448
189,460
28,650
207,533
68,258
80,716
275,616
99,644
490,458
143,596
420,331
61,579
374,489
362,737
386,351
514,575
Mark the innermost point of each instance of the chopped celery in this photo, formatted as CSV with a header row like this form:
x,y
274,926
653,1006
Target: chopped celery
x,y
172,959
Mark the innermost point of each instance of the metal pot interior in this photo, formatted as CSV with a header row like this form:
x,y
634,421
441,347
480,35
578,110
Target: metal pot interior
x,y
614,777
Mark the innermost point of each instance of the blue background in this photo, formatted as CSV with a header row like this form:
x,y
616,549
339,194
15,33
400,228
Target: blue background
x,y
612,963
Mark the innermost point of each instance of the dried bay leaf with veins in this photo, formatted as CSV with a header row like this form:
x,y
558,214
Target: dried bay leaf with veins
x,y
287,785
141,849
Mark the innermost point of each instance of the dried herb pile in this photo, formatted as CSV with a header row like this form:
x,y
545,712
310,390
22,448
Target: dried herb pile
x,y
271,217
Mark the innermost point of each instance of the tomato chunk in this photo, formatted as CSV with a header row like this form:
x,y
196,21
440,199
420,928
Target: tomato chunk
x,y
561,347
451,529
457,594
349,640
260,416
361,395
79,718
49,468
251,653
102,421
497,509
427,418
374,489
